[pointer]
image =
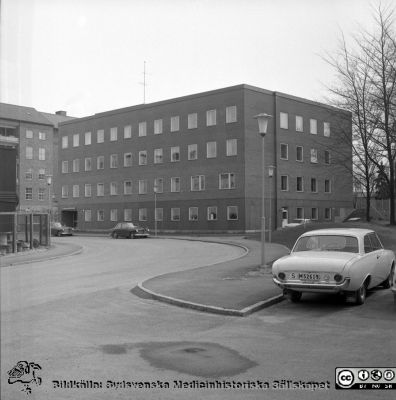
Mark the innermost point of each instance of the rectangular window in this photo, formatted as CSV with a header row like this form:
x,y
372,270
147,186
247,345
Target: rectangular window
x,y
127,214
326,129
65,191
41,194
127,159
313,126
314,213
88,190
314,156
100,162
327,186
175,153
42,153
232,213
143,128
100,189
158,156
210,117
231,114
299,123
29,193
100,136
284,183
327,157
113,160
175,214
76,190
327,213
314,186
197,183
175,184
211,150
193,214
142,214
76,140
42,136
113,134
127,132
114,215
300,184
212,213
29,153
88,164
175,124
158,185
143,157
299,153
100,215
231,147
192,151
143,186
29,174
113,189
127,187
159,214
65,167
157,126
76,165
65,142
88,215
284,120
29,134
88,139
284,151
300,213
227,181
192,121
41,174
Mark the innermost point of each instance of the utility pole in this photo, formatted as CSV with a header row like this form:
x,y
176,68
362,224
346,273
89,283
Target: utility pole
x,y
144,82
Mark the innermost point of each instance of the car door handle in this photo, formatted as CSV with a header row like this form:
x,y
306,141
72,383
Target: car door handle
x,y
378,257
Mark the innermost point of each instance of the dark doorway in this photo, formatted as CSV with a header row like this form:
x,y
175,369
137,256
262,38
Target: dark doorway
x,y
69,218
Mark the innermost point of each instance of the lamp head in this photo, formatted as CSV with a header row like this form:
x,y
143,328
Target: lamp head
x,y
262,120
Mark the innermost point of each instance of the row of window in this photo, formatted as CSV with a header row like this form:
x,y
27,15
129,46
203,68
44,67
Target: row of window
x,y
300,184
41,135
299,124
29,153
284,154
158,158
29,194
192,123
175,214
300,214
29,174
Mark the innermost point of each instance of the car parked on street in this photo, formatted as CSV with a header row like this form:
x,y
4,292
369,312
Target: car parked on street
x,y
58,229
394,286
129,230
298,222
346,261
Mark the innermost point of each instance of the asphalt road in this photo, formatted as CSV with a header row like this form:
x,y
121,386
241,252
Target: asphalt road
x,y
78,320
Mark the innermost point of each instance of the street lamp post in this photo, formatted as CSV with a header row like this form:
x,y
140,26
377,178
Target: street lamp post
x,y
49,183
155,211
270,175
262,120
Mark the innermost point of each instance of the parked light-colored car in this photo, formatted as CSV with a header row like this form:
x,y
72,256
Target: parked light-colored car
x,y
348,261
298,222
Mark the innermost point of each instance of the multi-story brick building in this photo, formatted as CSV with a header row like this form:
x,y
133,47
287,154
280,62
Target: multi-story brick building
x,y
202,153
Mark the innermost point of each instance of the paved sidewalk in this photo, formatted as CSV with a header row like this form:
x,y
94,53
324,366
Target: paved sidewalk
x,y
238,287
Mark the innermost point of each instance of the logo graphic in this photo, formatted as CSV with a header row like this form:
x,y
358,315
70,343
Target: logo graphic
x,y
26,373
345,378
363,375
376,374
389,375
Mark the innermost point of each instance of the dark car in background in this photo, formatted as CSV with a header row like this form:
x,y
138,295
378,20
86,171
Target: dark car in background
x,y
57,229
129,230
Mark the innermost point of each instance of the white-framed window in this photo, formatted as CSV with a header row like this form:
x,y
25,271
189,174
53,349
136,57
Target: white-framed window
x,y
157,126
159,214
211,149
87,215
113,214
87,190
227,181
76,165
113,134
212,213
175,214
193,213
65,191
284,151
127,159
327,157
100,189
143,128
327,186
210,117
142,186
41,174
127,214
299,153
127,132
143,157
113,160
113,189
326,129
158,156
314,185
65,167
142,214
232,213
231,147
327,213
158,185
314,156
42,136
100,215
175,184
29,153
29,134
284,183
175,154
313,126
300,184
299,123
41,194
100,136
76,190
29,193
76,140
88,164
192,121
88,138
197,183
300,213
127,187
175,123
100,162
29,174
314,213
65,142
284,120
192,152
41,153
231,114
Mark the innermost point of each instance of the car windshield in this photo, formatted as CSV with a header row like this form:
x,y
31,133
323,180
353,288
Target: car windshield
x,y
57,225
340,243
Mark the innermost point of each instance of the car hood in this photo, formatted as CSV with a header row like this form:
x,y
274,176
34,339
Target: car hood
x,y
321,261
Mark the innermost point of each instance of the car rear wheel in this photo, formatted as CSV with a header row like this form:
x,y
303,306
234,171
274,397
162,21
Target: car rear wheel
x,y
131,236
360,294
293,296
58,233
115,236
387,283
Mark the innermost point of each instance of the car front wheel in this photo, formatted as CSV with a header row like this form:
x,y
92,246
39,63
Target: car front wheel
x,y
387,283
360,294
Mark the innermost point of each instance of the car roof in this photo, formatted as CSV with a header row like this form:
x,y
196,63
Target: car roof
x,y
358,232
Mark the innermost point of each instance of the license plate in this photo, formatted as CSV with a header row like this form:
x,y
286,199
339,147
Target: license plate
x,y
309,276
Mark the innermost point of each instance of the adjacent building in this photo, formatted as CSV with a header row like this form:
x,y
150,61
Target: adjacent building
x,y
194,163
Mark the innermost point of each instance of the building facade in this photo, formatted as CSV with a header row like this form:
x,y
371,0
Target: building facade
x,y
194,163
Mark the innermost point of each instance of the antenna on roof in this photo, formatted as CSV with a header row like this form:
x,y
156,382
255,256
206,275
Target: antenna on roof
x,y
144,82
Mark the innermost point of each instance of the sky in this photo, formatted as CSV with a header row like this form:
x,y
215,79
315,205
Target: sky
x,y
87,56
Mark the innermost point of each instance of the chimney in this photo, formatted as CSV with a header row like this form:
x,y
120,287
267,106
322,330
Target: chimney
x,y
62,113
